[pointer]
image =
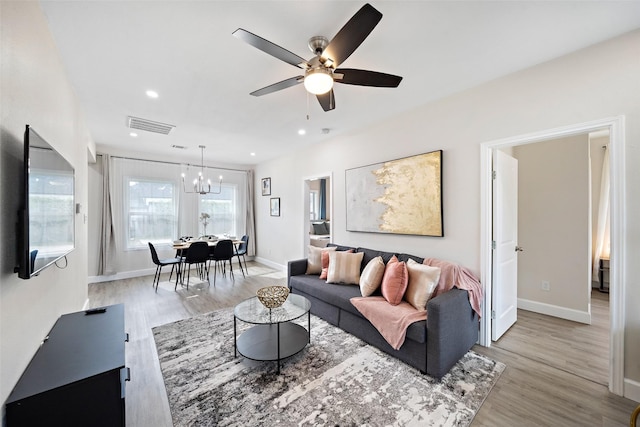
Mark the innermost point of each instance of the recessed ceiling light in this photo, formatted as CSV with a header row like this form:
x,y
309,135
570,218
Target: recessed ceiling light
x,y
152,94
302,132
133,134
253,154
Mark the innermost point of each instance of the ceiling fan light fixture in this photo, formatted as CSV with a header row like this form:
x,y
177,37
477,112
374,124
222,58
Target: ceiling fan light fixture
x,y
318,80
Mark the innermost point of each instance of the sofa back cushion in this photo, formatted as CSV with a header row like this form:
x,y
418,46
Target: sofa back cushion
x,y
370,254
314,260
394,281
340,247
407,257
344,267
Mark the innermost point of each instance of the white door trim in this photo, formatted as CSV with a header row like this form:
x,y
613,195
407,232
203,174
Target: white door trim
x,y
305,198
616,126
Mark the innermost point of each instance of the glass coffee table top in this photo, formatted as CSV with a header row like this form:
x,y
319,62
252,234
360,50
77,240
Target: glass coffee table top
x,y
252,311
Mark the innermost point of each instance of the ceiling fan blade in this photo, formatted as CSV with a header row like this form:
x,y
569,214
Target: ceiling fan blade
x,y
351,76
278,86
327,100
271,48
351,35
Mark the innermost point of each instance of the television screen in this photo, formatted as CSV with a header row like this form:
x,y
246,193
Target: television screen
x,y
48,218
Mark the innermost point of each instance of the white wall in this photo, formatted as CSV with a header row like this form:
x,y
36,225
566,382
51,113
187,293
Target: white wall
x,y
595,83
553,226
35,91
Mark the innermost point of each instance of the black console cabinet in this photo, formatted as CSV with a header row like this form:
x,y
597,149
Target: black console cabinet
x,y
77,377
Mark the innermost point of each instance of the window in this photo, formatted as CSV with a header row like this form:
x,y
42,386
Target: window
x,y
314,205
151,212
222,210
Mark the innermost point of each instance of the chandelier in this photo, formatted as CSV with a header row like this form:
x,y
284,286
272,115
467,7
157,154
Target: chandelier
x,y
199,184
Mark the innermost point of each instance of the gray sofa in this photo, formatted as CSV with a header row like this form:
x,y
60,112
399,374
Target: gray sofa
x,y
432,346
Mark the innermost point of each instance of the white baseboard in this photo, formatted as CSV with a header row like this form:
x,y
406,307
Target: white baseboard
x,y
122,275
632,389
271,264
137,273
555,311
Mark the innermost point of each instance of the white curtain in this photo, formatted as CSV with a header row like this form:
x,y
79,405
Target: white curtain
x,y
251,222
107,235
603,230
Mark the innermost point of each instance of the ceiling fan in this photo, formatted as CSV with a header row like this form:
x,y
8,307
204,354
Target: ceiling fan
x,y
321,71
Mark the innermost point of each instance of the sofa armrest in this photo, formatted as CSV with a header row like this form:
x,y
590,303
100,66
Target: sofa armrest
x,y
452,329
296,268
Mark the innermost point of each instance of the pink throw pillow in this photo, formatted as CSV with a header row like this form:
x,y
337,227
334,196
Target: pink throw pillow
x,y
325,265
394,281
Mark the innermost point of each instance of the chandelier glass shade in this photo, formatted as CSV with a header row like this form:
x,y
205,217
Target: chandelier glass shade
x,y
200,185
318,80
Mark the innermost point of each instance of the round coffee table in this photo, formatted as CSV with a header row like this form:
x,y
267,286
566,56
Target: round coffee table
x,y
274,337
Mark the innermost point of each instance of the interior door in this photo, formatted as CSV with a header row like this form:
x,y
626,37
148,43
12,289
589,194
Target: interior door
x,y
505,242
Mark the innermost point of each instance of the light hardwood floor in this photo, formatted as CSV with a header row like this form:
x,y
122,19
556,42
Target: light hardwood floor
x,y
554,376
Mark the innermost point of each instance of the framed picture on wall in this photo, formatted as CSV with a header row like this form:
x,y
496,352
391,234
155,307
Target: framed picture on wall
x,y
275,206
402,196
266,186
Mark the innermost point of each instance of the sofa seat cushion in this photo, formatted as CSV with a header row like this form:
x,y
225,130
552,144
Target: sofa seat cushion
x,y
392,321
334,294
417,331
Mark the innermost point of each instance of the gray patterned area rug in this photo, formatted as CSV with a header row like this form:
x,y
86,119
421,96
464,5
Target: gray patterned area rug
x,y
337,380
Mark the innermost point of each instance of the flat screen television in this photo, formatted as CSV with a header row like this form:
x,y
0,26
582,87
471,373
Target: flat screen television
x,y
46,219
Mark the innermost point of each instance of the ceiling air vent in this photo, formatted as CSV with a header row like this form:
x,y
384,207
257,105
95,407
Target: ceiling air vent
x,y
149,125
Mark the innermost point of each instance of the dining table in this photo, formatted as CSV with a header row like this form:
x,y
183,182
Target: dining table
x,y
182,247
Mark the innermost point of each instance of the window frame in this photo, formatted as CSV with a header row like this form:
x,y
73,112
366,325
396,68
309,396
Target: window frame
x,y
128,245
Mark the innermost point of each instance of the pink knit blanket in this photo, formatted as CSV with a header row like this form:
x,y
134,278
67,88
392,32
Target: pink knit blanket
x,y
454,275
391,321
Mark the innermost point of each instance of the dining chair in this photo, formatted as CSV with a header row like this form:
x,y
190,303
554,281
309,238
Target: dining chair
x,y
180,253
222,253
198,253
242,250
173,262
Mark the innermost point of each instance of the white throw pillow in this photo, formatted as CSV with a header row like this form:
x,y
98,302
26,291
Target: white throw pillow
x,y
371,277
344,267
423,280
314,261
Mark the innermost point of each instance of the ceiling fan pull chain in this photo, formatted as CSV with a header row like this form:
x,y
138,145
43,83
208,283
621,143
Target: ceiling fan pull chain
x,y
307,106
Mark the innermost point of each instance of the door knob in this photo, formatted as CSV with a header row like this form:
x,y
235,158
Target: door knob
x,y
519,249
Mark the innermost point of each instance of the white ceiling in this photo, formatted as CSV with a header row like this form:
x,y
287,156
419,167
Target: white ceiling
x,y
116,50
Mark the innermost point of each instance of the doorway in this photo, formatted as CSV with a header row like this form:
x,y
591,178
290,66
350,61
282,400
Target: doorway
x,y
318,211
616,151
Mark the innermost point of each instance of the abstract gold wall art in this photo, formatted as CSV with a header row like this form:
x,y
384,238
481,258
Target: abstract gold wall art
x,y
401,196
